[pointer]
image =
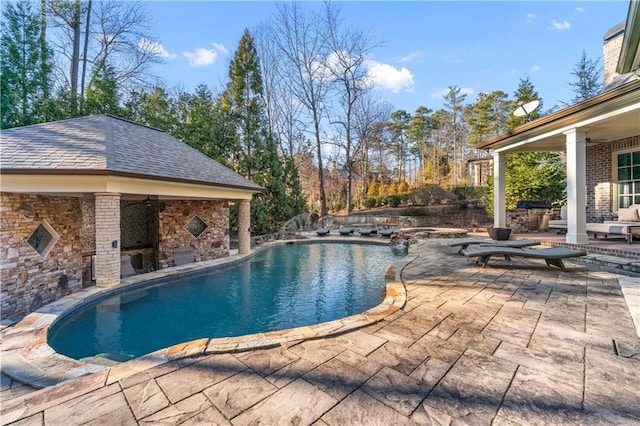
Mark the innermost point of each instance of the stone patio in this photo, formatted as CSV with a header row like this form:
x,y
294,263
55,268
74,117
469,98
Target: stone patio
x,y
514,343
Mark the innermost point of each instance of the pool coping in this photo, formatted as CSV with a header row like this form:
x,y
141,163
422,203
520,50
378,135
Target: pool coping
x,y
28,358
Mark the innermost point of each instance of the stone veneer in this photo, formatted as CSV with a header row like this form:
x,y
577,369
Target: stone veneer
x,y
175,214
30,281
107,239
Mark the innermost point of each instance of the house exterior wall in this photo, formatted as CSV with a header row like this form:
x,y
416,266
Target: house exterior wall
x,y
30,281
175,214
611,53
600,179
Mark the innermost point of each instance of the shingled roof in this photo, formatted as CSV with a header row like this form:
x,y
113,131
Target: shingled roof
x,y
103,144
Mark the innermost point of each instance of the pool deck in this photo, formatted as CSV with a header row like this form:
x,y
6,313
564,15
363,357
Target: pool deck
x,y
514,343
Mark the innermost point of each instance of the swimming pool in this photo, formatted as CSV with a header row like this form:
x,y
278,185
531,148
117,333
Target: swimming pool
x,y
279,287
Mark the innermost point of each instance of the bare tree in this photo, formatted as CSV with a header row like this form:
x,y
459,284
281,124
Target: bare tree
x,y
298,37
347,65
115,33
370,113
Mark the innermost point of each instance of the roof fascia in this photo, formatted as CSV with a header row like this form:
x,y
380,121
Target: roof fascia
x,y
630,53
92,183
574,116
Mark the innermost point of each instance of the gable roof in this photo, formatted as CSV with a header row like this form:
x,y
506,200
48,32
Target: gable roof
x,y
107,145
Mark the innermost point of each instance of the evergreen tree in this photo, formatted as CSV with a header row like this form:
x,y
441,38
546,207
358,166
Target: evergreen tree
x,y
487,116
24,73
588,78
531,175
253,152
102,94
525,93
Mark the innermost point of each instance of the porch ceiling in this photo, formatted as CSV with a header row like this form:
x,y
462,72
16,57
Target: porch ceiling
x,y
607,117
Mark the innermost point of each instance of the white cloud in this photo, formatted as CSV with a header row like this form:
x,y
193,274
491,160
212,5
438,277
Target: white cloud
x,y
388,77
579,9
413,56
530,16
154,47
220,48
443,92
535,68
560,26
202,57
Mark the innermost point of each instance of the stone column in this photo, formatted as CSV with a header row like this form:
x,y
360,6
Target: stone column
x,y
107,221
499,187
244,223
576,187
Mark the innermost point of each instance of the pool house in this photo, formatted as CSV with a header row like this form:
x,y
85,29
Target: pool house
x,y
81,195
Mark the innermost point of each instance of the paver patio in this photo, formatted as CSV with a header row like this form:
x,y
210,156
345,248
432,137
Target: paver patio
x,y
515,343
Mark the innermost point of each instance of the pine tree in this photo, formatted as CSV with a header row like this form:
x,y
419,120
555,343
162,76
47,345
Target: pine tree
x,y
24,73
525,93
588,78
102,94
253,151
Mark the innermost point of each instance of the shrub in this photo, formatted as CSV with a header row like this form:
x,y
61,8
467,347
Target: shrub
x,y
394,200
370,202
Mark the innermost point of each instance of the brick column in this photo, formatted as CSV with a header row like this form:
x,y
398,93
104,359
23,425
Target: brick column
x,y
244,223
107,222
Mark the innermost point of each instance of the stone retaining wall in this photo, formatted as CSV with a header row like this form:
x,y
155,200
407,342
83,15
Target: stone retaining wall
x,y
29,280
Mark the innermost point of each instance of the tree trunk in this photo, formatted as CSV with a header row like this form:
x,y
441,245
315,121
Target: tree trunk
x,y
84,55
44,58
75,57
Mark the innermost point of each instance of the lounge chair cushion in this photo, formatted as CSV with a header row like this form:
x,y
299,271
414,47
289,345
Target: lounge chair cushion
x,y
323,231
628,215
552,255
345,230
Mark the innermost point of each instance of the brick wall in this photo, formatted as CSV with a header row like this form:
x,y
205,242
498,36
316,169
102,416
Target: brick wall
x,y
175,214
30,281
600,181
611,54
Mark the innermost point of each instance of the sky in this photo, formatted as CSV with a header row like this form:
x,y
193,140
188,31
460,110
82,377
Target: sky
x,y
423,47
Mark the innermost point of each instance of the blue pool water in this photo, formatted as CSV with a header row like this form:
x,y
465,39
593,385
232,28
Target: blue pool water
x,y
280,287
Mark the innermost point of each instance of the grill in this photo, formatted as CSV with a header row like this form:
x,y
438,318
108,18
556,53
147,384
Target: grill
x,y
533,204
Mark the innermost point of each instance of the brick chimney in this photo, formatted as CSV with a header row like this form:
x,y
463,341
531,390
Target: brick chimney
x,y
611,51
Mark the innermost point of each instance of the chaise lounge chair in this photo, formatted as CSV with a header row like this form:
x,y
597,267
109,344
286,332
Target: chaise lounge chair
x,y
323,231
386,232
366,231
345,230
463,243
552,256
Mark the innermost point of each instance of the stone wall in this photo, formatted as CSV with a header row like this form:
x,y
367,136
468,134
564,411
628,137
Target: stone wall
x,y
522,221
173,217
30,281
